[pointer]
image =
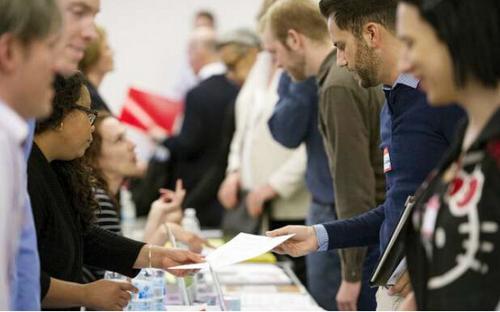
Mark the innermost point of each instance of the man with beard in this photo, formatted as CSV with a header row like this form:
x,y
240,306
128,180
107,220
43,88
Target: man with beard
x,y
297,36
414,135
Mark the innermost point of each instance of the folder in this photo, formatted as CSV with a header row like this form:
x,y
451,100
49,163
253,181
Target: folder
x,y
392,264
146,111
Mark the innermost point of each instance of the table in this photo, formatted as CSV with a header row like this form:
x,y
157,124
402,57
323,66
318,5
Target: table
x,y
251,286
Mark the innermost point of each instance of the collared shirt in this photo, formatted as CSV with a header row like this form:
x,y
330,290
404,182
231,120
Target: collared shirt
x,y
25,292
212,69
13,133
404,79
414,138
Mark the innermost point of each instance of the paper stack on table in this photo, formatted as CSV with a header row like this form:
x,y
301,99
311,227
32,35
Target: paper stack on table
x,y
243,247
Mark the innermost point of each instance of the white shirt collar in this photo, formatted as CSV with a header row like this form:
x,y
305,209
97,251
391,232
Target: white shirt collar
x,y
11,122
211,69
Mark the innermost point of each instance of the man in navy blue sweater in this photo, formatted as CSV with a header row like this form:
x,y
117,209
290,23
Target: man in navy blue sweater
x,y
339,123
414,135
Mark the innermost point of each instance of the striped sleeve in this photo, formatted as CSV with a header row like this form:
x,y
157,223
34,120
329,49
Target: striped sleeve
x,y
107,218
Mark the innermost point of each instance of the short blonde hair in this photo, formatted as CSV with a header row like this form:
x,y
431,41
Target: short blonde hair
x,y
266,4
302,16
92,53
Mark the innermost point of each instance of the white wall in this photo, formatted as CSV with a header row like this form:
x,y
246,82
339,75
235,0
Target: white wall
x,y
149,38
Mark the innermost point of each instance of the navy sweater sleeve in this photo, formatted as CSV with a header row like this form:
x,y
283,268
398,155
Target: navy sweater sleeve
x,y
289,123
366,226
420,136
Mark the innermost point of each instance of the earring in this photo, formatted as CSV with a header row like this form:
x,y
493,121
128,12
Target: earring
x,y
61,125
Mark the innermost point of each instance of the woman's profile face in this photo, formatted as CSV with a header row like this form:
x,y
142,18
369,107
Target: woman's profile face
x,y
117,155
77,128
425,56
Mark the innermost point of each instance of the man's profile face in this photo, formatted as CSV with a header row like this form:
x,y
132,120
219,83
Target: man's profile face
x,y
354,53
291,61
34,92
78,31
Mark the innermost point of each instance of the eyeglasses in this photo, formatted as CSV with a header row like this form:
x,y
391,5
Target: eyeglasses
x,y
91,113
234,56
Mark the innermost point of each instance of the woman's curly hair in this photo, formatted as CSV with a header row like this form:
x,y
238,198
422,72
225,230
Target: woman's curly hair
x,y
76,176
93,154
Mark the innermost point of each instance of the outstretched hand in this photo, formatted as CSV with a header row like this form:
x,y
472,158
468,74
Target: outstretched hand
x,y
302,243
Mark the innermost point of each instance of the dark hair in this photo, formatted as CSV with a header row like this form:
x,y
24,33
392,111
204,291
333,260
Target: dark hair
x,y
93,154
67,92
29,20
353,14
471,30
76,176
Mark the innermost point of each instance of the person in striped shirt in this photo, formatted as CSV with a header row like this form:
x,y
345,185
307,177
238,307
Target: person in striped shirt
x,y
113,159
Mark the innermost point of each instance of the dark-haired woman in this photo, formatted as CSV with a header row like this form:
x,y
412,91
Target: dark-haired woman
x,y
112,158
453,241
60,188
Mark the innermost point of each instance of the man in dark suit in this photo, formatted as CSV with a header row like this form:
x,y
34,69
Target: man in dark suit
x,y
238,51
196,148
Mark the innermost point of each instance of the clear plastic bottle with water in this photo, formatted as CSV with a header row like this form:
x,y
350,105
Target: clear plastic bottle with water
x,y
143,299
190,222
151,293
127,207
159,290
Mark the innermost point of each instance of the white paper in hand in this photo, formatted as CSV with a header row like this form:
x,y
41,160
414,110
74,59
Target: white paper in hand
x,y
243,247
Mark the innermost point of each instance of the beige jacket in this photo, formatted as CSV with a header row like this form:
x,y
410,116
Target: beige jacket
x,y
258,157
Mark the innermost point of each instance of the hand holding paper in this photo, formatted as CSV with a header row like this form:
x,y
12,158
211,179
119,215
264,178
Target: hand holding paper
x,y
303,242
242,247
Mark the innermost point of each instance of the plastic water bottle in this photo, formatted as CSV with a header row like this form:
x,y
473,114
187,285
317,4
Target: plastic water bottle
x,y
117,277
127,209
151,291
159,289
190,222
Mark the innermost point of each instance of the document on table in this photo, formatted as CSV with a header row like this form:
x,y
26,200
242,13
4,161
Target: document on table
x,y
243,247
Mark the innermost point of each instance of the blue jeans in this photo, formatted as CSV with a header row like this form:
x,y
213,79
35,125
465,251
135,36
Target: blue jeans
x,y
324,270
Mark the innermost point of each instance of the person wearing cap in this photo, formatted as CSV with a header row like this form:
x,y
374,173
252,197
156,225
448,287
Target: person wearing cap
x,y
264,184
238,50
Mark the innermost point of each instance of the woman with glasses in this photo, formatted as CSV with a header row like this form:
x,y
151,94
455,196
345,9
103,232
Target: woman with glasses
x,y
453,240
60,186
